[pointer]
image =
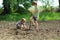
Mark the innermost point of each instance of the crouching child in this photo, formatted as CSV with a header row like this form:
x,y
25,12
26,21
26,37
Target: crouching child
x,y
22,24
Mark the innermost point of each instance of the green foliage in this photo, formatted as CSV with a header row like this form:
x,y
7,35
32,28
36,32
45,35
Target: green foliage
x,y
11,6
14,17
27,5
22,10
44,16
48,9
14,5
1,10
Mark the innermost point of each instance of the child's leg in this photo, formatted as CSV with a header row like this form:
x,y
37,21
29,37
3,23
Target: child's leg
x,y
32,21
21,27
36,25
24,27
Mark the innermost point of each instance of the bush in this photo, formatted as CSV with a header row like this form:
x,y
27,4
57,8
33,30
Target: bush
x,y
1,10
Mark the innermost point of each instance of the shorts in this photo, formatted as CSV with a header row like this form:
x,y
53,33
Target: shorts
x,y
35,18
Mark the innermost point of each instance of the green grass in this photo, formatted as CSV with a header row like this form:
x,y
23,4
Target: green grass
x,y
14,17
49,16
44,16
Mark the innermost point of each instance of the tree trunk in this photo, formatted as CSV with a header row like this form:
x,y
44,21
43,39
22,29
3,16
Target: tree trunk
x,y
6,6
6,9
59,3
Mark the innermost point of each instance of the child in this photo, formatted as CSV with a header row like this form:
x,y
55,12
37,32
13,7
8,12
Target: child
x,y
35,16
22,24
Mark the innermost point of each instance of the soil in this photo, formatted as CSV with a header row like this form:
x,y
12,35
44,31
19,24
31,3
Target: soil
x,y
48,30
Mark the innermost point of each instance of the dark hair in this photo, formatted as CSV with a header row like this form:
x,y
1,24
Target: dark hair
x,y
34,3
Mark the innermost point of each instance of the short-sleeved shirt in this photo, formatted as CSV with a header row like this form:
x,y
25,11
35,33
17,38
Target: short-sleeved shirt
x,y
18,23
35,11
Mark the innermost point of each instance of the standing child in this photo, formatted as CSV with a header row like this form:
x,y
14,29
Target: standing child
x,y
35,15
